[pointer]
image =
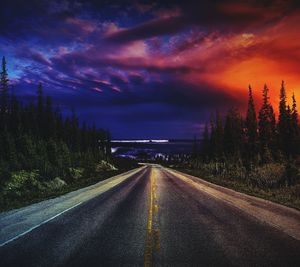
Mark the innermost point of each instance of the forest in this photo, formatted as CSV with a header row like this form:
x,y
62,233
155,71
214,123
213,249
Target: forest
x,y
42,152
256,153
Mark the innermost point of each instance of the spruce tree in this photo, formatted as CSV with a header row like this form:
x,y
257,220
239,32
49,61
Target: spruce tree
x,y
295,123
40,99
4,87
267,127
15,116
233,134
251,127
212,141
108,144
48,114
195,148
40,110
219,135
283,121
295,131
206,147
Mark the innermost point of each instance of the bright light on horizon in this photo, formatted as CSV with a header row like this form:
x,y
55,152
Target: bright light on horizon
x,y
142,141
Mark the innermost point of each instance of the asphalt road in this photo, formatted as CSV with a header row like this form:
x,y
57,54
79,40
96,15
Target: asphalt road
x,y
154,218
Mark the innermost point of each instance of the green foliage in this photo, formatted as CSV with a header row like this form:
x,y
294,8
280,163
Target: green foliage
x,y
76,173
260,152
35,137
268,175
55,184
22,181
105,166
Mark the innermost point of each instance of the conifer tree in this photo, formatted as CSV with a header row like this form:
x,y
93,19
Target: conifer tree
x,y
295,123
41,124
283,121
108,144
39,138
4,87
40,99
195,148
267,127
295,131
251,126
212,140
206,147
219,135
233,134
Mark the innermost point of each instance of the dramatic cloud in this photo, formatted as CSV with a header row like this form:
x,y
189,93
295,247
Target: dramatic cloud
x,y
154,69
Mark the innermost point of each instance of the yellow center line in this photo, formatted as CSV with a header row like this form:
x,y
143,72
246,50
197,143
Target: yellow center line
x,y
148,246
153,232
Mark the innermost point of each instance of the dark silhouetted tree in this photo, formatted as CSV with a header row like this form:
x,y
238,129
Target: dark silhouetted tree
x,y
233,134
251,127
206,144
219,135
216,137
283,122
195,148
4,91
267,127
295,131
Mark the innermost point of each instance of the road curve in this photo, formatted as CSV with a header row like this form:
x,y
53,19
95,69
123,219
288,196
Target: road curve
x,y
151,216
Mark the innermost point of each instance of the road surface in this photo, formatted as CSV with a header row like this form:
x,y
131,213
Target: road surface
x,y
151,216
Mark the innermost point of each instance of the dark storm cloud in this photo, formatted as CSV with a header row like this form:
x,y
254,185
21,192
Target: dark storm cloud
x,y
178,94
208,15
92,58
26,53
156,27
127,64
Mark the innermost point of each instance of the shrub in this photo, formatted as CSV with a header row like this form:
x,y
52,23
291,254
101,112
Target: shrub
x,y
269,175
105,166
296,191
55,184
76,173
22,181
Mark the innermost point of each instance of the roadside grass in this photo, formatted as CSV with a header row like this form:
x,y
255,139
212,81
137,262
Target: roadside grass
x,y
33,191
285,195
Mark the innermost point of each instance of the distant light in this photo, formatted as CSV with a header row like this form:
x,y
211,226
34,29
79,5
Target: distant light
x,y
141,141
114,150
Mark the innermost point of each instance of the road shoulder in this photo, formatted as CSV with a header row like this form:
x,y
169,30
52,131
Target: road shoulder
x,y
18,222
281,217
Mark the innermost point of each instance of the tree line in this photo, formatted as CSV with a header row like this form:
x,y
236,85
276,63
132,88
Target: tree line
x,y
36,136
256,139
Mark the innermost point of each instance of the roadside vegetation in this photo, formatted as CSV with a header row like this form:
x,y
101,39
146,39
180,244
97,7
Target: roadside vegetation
x,y
43,154
258,155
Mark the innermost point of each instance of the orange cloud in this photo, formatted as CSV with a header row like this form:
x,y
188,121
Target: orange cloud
x,y
231,62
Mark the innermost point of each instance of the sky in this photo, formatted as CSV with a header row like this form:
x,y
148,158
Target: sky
x,y
151,69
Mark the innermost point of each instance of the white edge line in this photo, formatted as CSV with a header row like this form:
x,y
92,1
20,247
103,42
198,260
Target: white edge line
x,y
53,217
34,227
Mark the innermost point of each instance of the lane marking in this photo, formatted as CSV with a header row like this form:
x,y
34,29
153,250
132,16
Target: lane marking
x,y
148,245
36,226
156,222
118,179
153,232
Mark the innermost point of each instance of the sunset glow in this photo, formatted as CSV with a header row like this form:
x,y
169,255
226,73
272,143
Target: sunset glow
x,y
170,64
